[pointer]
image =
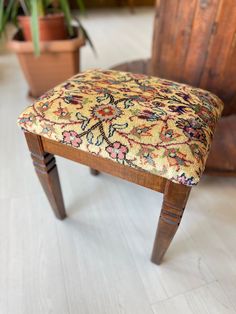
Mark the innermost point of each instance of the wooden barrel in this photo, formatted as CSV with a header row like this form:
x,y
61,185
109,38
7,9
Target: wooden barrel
x,y
195,42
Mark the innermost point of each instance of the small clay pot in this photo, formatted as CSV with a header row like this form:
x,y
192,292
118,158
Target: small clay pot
x,y
51,27
59,60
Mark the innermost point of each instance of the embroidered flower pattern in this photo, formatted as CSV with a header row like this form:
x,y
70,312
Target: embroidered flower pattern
x,y
72,138
139,121
106,112
116,150
185,180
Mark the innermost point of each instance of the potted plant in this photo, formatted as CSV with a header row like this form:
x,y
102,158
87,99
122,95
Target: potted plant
x,y
46,43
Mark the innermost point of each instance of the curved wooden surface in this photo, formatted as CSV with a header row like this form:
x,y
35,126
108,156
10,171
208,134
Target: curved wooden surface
x,y
222,158
141,66
195,42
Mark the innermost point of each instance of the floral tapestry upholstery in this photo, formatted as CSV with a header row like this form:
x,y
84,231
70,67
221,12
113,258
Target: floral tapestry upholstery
x,y
144,122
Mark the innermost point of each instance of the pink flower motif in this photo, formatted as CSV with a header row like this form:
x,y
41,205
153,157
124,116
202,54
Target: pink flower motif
x,y
72,138
116,150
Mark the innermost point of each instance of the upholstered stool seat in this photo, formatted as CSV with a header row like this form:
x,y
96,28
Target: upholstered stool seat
x,y
143,122
150,131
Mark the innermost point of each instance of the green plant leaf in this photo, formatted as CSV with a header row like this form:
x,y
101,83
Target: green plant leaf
x,y
66,10
25,5
1,15
9,11
81,6
4,17
14,13
41,4
86,35
35,26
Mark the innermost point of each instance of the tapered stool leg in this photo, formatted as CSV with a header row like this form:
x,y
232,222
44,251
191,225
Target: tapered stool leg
x,y
46,169
174,202
94,172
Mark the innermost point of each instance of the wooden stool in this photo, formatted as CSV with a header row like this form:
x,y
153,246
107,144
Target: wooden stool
x,y
150,131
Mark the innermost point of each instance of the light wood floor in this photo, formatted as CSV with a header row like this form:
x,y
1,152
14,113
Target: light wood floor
x,y
97,260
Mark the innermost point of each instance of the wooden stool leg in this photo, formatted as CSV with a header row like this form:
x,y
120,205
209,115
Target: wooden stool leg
x,y
46,169
174,201
94,172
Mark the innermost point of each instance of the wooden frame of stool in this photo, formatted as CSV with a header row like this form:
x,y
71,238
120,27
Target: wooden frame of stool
x,y
175,195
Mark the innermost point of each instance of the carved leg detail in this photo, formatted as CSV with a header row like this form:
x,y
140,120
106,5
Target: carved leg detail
x,y
174,202
94,172
46,169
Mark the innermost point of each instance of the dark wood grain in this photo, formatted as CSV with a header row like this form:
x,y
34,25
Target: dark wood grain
x,y
141,66
174,202
46,169
219,73
140,177
94,172
222,157
194,42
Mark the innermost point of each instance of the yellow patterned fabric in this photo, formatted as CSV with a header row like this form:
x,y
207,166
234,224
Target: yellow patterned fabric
x,y
143,122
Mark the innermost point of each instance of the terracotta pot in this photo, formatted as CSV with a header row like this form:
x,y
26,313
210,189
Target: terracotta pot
x,y
51,27
58,61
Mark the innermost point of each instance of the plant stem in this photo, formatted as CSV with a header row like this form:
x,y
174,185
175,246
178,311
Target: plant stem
x,y
24,7
35,26
40,5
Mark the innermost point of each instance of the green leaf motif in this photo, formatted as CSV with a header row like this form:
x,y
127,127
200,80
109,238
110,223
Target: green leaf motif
x,y
79,116
128,103
90,137
86,101
84,124
100,140
111,131
135,112
102,98
120,126
85,120
116,126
